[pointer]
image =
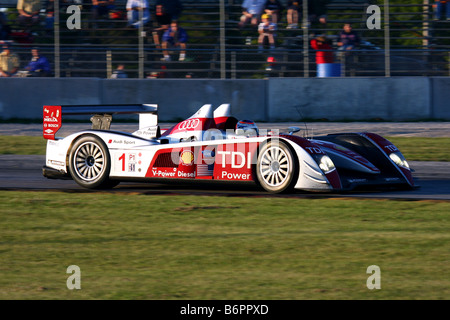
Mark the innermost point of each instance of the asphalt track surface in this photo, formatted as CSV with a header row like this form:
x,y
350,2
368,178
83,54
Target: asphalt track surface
x,y
25,172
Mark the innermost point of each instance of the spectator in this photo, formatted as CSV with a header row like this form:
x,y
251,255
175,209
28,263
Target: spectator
x,y
251,12
163,19
441,10
158,75
173,8
101,8
9,62
266,30
49,15
175,36
28,12
119,73
274,8
5,29
324,52
38,66
293,14
137,9
348,38
317,11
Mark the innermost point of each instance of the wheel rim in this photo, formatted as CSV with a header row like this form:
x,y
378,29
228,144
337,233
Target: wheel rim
x,y
89,161
274,167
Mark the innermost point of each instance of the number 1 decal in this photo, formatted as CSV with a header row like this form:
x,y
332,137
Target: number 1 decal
x,y
122,158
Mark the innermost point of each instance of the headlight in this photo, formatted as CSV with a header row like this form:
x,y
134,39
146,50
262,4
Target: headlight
x,y
326,164
399,160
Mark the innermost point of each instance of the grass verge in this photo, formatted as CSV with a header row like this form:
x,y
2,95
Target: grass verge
x,y
414,148
135,246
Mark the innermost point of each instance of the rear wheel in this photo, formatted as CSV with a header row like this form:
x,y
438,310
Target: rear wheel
x,y
90,163
276,167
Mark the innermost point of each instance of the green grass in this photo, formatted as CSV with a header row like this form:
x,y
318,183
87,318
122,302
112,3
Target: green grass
x,y
24,145
423,149
135,246
414,148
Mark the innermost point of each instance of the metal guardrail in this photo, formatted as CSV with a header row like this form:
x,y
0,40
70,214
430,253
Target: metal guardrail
x,y
248,63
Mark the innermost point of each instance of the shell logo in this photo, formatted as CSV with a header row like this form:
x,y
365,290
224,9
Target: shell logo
x,y
187,158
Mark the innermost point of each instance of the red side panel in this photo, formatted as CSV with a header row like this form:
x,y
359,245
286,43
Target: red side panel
x,y
194,124
51,121
234,161
334,179
173,163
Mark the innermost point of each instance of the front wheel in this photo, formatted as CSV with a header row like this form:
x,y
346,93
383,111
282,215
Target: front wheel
x,y
90,163
276,167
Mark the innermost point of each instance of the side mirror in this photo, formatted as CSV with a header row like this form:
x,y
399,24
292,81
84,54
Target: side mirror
x,y
293,130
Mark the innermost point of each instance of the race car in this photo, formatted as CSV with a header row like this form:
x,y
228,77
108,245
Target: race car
x,y
212,145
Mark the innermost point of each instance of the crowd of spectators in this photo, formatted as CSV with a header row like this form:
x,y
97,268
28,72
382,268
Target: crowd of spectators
x,y
169,37
37,66
265,16
252,11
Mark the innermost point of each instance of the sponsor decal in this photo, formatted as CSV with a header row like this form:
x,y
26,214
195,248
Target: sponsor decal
x,y
234,165
391,148
183,174
189,124
127,162
235,176
53,143
357,180
391,179
173,173
187,158
204,170
157,172
238,159
132,162
127,142
56,163
149,132
51,121
314,150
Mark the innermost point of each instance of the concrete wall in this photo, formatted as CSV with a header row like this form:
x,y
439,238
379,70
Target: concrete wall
x,y
275,99
350,98
440,108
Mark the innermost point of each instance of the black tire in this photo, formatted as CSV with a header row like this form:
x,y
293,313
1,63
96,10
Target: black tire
x,y
90,163
276,167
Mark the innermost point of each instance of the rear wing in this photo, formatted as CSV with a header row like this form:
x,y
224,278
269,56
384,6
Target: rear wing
x,y
101,116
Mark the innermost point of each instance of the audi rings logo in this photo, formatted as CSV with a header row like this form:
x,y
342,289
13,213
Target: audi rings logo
x,y
189,124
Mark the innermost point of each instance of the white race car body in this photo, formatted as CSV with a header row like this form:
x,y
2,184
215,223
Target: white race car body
x,y
210,146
